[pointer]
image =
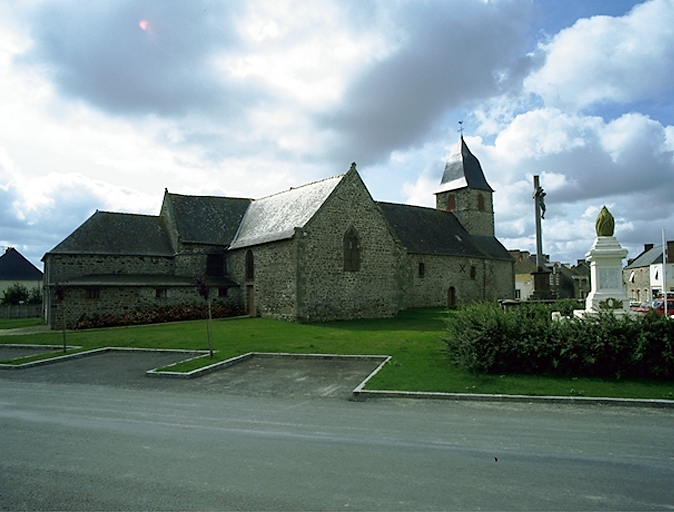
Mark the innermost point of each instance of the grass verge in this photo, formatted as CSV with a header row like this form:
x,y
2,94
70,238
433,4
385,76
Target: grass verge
x,y
15,323
413,339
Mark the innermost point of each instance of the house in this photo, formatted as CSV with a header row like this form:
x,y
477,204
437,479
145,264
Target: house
x,y
566,281
322,251
643,275
16,269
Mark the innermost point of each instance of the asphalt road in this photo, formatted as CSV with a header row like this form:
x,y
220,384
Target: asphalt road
x,y
86,446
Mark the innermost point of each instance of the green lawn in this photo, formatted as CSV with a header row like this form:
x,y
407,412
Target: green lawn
x,y
413,339
20,322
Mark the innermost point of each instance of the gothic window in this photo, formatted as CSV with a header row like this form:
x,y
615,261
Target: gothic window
x,y
451,202
250,266
215,265
480,202
351,251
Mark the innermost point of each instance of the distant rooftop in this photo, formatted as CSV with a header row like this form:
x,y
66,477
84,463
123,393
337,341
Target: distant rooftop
x,y
13,266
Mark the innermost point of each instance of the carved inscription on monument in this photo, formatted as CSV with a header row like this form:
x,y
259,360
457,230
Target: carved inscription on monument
x,y
609,278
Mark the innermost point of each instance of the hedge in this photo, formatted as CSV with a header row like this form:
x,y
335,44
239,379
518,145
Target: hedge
x,y
483,338
155,315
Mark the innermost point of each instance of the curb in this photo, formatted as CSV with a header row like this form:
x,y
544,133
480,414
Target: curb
x,y
78,355
245,357
359,393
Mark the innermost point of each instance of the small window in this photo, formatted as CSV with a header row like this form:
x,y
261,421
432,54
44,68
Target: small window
x,y
351,251
473,272
250,266
422,269
451,202
160,293
222,292
93,293
480,202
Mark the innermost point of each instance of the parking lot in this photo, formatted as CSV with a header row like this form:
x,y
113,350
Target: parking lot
x,y
258,376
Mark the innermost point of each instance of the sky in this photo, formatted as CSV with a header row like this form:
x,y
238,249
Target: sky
x,y
104,105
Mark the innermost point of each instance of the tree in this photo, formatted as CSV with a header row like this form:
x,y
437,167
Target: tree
x,y
201,284
16,294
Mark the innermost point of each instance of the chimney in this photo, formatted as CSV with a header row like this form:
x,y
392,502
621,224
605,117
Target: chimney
x,y
648,247
670,251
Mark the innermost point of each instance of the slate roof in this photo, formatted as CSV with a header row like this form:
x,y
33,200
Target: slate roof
x,y
462,170
13,266
207,219
275,217
648,258
118,234
430,231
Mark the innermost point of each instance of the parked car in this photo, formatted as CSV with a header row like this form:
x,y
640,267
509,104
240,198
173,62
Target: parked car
x,y
658,306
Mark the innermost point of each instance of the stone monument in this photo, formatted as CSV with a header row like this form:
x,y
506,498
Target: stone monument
x,y
605,258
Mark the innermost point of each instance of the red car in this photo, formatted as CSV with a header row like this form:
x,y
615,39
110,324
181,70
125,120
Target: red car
x,y
657,305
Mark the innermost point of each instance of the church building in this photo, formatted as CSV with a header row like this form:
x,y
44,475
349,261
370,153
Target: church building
x,y
322,251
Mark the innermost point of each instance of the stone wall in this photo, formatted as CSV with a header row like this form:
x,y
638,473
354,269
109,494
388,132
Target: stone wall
x,y
326,290
476,221
473,279
61,267
638,288
274,281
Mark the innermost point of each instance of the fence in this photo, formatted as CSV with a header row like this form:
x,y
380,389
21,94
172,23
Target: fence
x,y
20,311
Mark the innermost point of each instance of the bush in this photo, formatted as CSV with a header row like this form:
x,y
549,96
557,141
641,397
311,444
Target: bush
x,y
482,338
18,293
157,315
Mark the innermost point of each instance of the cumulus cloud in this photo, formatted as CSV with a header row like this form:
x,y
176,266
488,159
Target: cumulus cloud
x,y
606,59
112,102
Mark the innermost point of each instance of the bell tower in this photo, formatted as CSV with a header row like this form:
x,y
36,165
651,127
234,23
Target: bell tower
x,y
464,191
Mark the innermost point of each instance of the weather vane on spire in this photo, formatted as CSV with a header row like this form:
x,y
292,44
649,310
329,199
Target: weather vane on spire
x,y
460,130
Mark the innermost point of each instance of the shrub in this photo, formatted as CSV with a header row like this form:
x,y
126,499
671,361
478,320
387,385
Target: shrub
x,y
18,293
156,315
483,338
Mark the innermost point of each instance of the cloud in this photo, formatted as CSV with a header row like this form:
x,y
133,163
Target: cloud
x,y
97,52
606,59
443,61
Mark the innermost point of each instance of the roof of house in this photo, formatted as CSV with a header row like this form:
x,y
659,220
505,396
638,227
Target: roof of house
x,y
207,219
647,258
108,233
13,266
275,217
462,170
430,231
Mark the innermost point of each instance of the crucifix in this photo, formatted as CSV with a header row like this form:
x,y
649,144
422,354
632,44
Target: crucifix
x,y
541,275
539,196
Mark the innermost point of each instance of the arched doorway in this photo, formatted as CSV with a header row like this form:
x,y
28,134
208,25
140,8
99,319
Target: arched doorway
x,y
451,297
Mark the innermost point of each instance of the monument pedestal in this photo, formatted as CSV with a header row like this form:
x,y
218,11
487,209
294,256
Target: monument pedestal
x,y
541,285
608,293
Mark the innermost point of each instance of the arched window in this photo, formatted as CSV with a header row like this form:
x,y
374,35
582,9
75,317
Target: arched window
x,y
480,202
451,202
351,251
250,266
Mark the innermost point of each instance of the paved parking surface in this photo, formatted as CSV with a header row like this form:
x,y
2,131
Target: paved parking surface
x,y
258,376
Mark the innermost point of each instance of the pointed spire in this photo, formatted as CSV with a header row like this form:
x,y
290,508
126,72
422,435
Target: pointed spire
x,y
463,169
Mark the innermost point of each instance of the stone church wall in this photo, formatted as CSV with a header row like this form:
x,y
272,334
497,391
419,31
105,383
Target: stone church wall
x,y
61,267
274,281
473,279
327,291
